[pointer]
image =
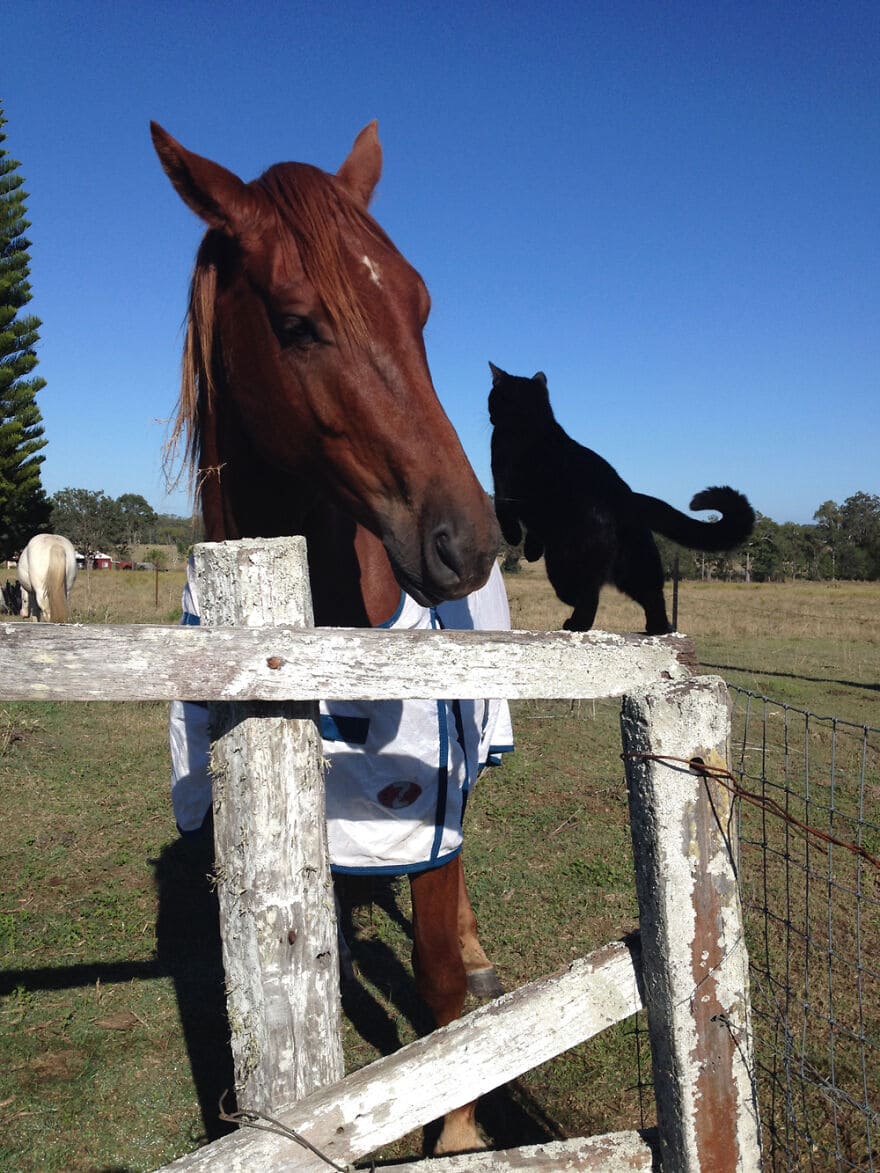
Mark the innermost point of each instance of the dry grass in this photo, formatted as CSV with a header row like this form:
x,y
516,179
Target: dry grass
x,y
127,596
811,645
718,610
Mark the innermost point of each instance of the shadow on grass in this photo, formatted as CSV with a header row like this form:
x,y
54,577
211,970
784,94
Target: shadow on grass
x,y
71,977
791,676
189,950
509,1116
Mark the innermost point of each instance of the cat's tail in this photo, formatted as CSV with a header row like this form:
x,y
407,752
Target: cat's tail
x,y
735,524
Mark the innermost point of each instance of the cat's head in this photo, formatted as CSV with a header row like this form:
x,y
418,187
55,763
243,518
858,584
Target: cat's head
x,y
515,401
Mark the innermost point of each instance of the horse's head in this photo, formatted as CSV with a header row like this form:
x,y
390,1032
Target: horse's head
x,y
305,333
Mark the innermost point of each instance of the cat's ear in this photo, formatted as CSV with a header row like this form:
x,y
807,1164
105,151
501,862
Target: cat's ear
x,y
540,377
497,374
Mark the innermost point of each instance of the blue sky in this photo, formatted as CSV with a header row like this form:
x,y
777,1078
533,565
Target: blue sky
x,y
672,209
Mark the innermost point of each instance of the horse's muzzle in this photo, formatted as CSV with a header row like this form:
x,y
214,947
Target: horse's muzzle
x,y
453,562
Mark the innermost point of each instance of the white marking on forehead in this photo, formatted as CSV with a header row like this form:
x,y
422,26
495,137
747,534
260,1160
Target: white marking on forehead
x,y
374,271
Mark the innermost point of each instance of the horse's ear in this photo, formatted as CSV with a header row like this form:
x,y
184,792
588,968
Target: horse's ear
x,y
361,170
220,198
540,377
497,374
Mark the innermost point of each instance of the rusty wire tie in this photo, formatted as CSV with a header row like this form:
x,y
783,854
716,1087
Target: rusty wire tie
x,y
249,1118
728,780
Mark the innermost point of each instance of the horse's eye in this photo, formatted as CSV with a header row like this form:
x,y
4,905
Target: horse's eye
x,y
294,330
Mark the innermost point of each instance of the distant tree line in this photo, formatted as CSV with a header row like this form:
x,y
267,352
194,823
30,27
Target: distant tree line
x,y
842,543
95,522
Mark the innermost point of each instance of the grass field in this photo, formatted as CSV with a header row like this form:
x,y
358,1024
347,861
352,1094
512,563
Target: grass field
x,y
110,987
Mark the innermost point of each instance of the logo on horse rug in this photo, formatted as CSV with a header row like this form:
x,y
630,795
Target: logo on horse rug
x,y
399,794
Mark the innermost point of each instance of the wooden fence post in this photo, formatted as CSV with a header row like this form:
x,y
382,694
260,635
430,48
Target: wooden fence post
x,y
273,880
695,967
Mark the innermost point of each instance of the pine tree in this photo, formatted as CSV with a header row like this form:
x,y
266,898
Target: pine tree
x,y
24,509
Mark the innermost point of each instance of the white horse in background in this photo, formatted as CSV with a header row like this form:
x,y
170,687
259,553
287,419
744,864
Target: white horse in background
x,y
46,570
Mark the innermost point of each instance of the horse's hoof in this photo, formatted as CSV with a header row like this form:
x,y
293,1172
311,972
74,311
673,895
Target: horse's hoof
x,y
459,1139
484,983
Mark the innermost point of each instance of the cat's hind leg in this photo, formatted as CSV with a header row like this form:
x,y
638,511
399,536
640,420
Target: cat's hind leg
x,y
656,619
581,618
639,574
575,579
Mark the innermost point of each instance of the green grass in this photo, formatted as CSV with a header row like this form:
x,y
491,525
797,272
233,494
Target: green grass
x,y
94,1068
110,1027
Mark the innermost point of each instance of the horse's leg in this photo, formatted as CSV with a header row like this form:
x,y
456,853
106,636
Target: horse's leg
x,y
482,980
44,605
440,977
54,587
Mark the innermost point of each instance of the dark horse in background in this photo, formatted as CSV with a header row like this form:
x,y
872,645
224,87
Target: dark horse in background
x,y
308,408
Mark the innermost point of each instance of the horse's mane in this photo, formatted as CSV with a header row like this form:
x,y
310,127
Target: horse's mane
x,y
315,209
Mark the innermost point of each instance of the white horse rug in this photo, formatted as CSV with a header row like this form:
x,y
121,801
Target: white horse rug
x,y
398,772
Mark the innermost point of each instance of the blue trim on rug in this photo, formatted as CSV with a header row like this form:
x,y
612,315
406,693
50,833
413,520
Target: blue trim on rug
x,y
397,869
400,605
442,766
442,780
350,730
459,726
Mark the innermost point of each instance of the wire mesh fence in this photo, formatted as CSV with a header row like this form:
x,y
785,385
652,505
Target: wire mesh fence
x,y
811,900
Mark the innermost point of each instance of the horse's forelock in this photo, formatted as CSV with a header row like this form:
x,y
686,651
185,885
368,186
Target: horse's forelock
x,y
316,210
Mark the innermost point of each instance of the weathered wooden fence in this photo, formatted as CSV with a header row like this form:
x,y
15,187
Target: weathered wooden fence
x,y
689,968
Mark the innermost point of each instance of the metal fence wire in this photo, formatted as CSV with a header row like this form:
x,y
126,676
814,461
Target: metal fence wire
x,y
813,931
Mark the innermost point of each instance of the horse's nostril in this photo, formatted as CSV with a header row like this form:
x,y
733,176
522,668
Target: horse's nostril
x,y
454,564
447,548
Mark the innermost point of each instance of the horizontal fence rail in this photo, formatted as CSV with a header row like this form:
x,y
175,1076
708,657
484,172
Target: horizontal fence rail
x,y
121,663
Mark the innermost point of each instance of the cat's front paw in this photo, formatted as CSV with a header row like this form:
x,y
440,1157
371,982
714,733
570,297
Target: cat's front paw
x,y
511,531
572,623
534,548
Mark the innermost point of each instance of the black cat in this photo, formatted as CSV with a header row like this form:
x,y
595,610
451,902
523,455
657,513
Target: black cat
x,y
587,522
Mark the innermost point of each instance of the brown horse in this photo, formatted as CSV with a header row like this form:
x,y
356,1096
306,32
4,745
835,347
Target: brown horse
x,y
308,408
